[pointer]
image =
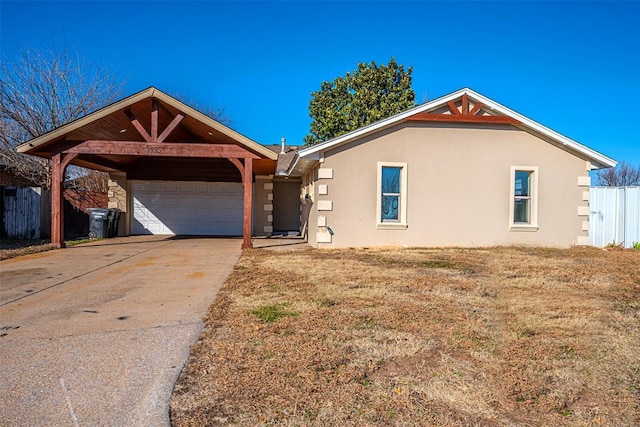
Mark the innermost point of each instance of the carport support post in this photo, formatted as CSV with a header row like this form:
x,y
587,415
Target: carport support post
x,y
247,182
59,163
57,213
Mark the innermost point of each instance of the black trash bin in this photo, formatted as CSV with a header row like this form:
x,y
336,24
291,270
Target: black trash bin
x,y
112,222
98,222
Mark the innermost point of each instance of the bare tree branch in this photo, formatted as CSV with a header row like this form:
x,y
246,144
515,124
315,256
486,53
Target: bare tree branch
x,y
41,91
622,175
216,113
89,180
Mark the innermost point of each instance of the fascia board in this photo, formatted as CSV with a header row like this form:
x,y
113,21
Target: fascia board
x,y
373,127
529,124
215,124
312,160
69,127
593,155
147,93
292,165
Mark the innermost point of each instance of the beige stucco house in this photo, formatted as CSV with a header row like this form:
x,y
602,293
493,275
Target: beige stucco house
x,y
461,170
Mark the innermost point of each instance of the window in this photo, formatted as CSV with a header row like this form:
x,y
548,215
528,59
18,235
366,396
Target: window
x,y
390,193
392,197
523,212
522,198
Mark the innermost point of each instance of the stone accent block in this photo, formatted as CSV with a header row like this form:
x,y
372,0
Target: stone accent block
x,y
323,237
325,173
325,205
584,181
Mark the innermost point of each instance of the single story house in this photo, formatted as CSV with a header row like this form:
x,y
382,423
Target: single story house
x,y
461,170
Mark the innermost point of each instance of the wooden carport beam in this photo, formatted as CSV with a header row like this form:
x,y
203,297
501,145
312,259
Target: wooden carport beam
x,y
153,138
89,160
246,171
164,149
136,124
165,133
59,163
154,120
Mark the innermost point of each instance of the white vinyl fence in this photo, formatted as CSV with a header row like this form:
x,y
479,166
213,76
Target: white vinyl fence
x,y
614,216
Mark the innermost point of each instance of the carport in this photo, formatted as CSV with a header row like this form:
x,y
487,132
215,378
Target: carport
x,y
156,142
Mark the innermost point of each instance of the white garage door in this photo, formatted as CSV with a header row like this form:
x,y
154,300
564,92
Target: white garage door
x,y
187,208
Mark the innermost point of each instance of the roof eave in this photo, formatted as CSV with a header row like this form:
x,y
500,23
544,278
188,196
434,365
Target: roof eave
x,y
264,151
292,165
150,92
595,157
379,125
597,160
34,143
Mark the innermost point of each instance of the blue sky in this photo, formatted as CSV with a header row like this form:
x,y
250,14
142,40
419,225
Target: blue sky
x,y
572,66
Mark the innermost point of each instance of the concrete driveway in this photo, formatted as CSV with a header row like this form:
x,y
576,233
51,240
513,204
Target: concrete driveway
x,y
97,334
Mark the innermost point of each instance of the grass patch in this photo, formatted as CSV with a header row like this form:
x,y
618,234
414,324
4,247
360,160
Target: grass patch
x,y
271,313
439,264
498,336
71,243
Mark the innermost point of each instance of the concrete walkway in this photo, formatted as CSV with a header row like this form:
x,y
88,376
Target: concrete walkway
x,y
97,334
280,243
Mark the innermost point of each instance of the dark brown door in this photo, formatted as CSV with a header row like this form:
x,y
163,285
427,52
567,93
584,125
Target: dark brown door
x,y
286,206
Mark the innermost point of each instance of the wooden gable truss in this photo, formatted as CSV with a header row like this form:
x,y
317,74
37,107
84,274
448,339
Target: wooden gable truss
x,y
461,111
117,140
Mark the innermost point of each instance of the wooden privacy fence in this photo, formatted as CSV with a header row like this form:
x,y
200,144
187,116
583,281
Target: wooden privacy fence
x,y
614,216
21,212
25,212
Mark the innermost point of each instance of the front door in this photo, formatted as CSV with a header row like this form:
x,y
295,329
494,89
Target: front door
x,y
286,207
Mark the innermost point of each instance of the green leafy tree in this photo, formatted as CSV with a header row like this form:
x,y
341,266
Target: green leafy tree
x,y
370,93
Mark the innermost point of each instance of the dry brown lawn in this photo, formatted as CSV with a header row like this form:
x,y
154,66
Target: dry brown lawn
x,y
372,337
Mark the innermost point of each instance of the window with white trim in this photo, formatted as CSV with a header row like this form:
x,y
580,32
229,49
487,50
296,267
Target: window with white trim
x,y
523,212
392,195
